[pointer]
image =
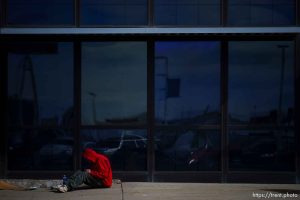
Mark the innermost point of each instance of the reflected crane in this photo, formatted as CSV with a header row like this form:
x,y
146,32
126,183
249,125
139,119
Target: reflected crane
x,y
27,67
283,48
93,95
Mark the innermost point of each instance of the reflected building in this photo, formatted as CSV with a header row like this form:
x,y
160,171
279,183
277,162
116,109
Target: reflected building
x,y
188,91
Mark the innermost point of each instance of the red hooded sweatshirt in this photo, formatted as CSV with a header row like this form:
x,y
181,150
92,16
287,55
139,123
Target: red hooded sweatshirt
x,y
100,167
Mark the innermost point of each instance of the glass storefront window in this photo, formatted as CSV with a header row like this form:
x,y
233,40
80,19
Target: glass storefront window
x,y
261,100
40,12
126,149
261,150
40,84
261,12
47,149
187,150
114,12
114,83
188,12
261,83
187,82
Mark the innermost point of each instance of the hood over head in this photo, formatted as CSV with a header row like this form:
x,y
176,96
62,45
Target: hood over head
x,y
90,155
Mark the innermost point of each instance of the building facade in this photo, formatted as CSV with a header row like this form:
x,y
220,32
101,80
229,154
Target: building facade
x,y
186,91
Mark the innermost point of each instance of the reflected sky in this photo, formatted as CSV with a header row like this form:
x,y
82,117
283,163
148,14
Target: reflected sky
x,y
197,66
114,12
166,12
261,12
116,74
188,12
40,12
114,80
254,78
53,75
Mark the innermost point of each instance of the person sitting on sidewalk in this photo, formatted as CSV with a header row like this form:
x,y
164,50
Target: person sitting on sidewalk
x,y
98,176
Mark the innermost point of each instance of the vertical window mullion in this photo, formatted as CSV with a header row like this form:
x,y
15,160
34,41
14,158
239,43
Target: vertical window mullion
x,y
224,10
224,104
150,12
77,12
297,10
297,106
3,93
77,103
150,110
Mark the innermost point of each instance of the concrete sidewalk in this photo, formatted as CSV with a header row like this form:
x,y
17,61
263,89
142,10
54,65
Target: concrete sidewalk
x,y
164,191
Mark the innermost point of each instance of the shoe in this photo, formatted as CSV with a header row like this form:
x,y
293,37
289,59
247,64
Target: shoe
x,y
54,187
62,188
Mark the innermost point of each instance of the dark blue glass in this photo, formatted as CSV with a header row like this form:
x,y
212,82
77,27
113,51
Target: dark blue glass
x,y
187,13
262,150
47,149
114,12
40,84
261,83
40,12
261,12
187,82
114,83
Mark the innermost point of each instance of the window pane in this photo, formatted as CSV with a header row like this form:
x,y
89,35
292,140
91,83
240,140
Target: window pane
x,y
114,12
261,12
262,150
188,12
126,149
261,83
50,149
187,150
114,82
187,82
40,84
40,12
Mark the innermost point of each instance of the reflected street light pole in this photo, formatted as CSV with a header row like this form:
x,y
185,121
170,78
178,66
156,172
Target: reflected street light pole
x,y
164,74
282,47
93,95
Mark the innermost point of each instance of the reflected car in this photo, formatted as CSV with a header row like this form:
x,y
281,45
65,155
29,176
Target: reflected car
x,y
262,151
185,154
126,141
60,151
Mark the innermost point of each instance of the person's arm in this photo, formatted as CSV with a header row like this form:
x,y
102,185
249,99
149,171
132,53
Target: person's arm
x,y
102,170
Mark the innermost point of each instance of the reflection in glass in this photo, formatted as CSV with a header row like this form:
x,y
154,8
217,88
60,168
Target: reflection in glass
x,y
261,82
187,150
50,149
114,82
114,12
40,84
40,12
187,82
261,12
259,150
188,12
126,149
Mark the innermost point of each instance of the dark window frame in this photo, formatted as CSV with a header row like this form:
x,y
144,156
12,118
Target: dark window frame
x,y
151,175
7,172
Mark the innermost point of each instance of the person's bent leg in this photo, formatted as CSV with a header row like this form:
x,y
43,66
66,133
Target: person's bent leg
x,y
78,178
93,181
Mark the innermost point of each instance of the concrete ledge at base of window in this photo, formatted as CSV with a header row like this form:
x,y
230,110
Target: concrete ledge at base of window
x,y
146,31
27,183
38,183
